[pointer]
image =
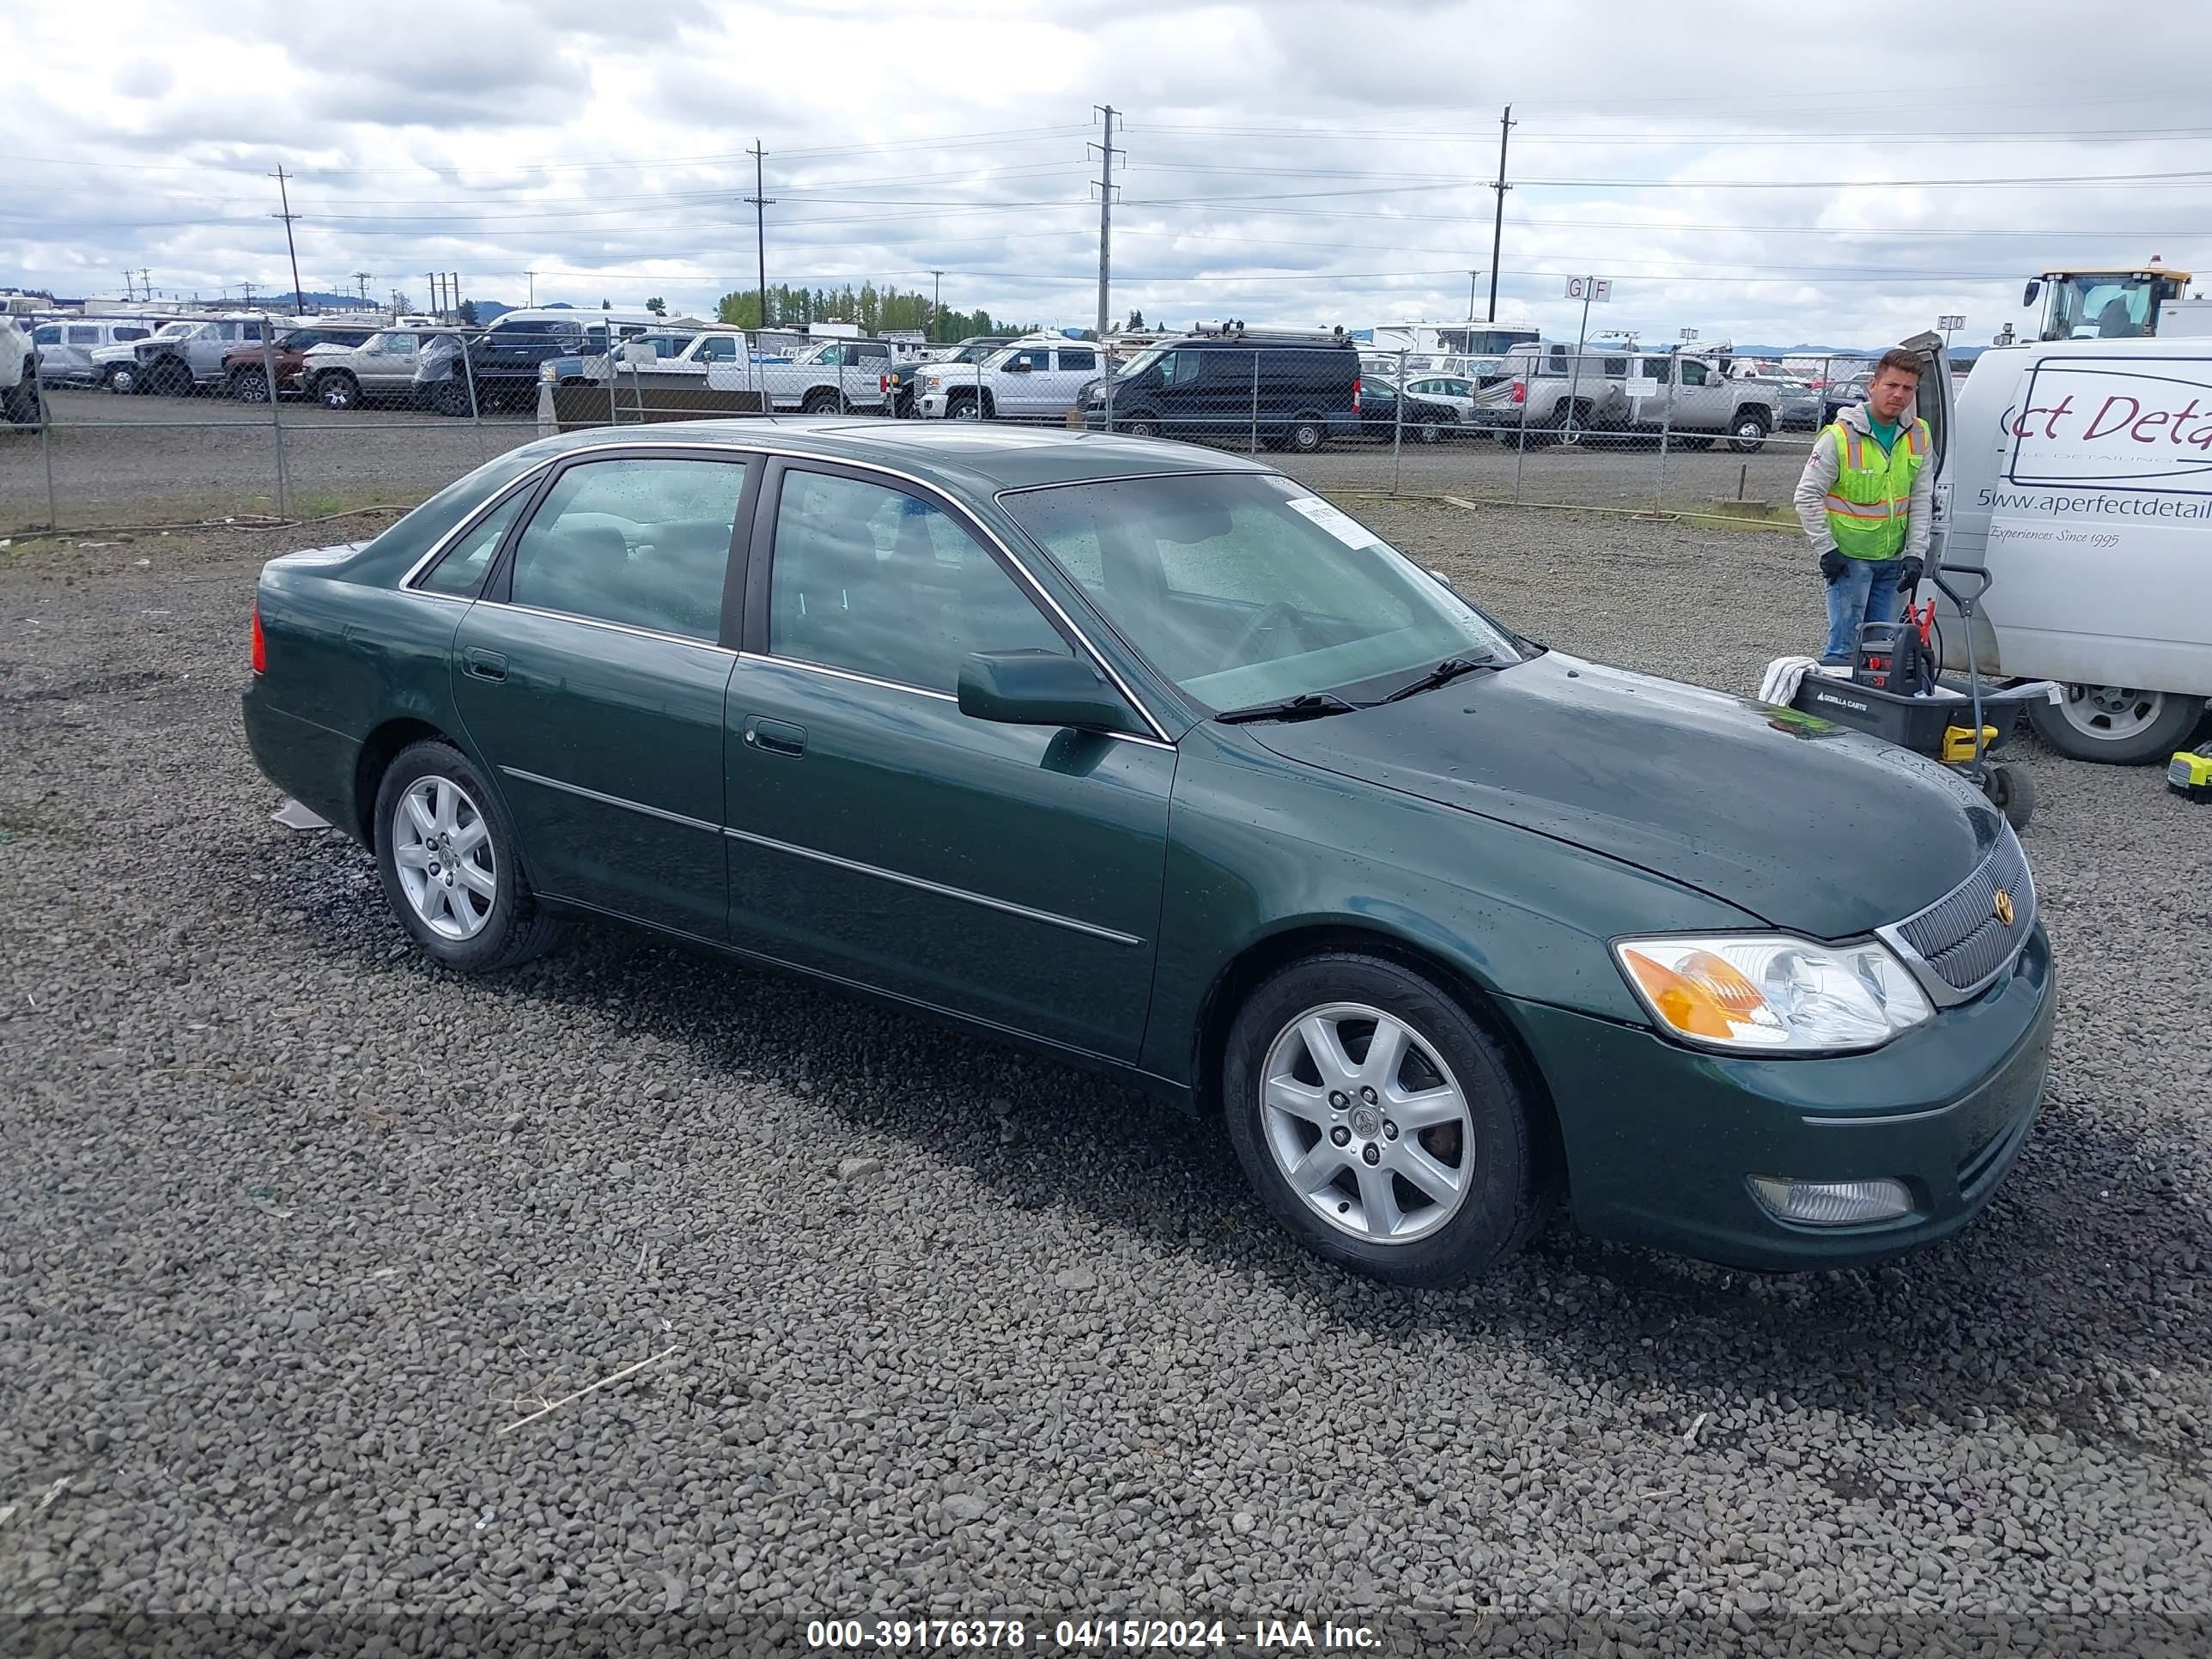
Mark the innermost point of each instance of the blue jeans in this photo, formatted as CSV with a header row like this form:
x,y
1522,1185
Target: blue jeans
x,y
1865,593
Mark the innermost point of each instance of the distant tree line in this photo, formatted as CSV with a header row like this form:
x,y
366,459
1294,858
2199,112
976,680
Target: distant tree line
x,y
874,309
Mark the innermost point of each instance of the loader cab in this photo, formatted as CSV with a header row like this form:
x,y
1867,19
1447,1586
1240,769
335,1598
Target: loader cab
x,y
2103,305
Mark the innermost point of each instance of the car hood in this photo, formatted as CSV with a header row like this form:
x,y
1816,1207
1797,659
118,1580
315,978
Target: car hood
x,y
1802,823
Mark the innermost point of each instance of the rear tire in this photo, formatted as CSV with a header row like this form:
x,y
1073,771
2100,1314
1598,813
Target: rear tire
x,y
1487,1167
819,402
2118,725
451,397
460,927
1307,433
20,404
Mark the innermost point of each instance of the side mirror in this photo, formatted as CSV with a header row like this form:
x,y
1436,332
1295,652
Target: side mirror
x,y
2028,294
1038,688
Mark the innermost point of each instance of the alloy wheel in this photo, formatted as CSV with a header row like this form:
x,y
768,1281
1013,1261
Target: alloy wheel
x,y
1366,1123
441,849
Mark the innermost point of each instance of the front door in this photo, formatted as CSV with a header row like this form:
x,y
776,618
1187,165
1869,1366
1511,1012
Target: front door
x,y
590,679
1023,381
1011,873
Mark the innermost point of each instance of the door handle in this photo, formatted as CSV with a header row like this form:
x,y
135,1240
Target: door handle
x,y
776,737
484,665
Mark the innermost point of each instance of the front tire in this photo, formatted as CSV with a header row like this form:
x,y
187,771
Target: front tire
x,y
249,385
121,379
337,390
1381,1124
448,858
1747,433
2118,725
170,379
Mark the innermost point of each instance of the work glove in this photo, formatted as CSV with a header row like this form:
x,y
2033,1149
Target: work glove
x,y
1831,567
1909,574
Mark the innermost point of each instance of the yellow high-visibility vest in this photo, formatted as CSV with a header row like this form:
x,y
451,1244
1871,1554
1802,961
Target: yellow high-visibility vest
x,y
1872,496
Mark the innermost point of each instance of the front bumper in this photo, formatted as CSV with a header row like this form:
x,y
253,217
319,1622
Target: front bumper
x,y
1662,1141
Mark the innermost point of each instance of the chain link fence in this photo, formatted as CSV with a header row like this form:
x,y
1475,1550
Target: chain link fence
x,y
283,422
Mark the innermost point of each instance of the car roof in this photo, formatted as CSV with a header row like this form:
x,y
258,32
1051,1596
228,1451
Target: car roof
x,y
964,454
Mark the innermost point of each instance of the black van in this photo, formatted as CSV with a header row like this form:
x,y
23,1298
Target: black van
x,y
1296,391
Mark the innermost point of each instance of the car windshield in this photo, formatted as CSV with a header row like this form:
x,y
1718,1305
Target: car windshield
x,y
1143,361
1246,588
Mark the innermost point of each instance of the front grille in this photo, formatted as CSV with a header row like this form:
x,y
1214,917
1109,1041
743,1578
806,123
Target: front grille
x,y
1961,936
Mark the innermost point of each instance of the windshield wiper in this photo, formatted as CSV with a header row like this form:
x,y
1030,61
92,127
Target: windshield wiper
x,y
1306,706
1443,674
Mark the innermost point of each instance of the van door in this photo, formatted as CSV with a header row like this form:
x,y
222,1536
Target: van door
x,y
1935,404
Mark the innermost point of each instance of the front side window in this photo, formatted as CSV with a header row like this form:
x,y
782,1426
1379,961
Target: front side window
x,y
720,348
1032,358
1693,372
1178,367
640,541
460,570
1248,589
50,334
870,579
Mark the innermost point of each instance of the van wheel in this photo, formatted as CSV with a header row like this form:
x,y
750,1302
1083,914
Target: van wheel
x,y
1140,425
1747,436
2118,725
1307,433
1381,1124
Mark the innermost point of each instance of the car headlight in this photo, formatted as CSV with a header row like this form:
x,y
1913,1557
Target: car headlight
x,y
1772,994
932,382
545,371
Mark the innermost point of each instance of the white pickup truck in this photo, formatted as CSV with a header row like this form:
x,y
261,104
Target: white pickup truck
x,y
1040,377
836,377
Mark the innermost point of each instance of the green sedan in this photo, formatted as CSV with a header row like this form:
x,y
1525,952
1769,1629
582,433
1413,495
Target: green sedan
x,y
1152,759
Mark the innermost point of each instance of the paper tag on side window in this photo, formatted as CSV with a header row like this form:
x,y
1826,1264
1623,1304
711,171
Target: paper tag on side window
x,y
1347,530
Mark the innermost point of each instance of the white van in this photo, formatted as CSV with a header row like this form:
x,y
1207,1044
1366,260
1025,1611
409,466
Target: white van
x,y
65,344
2079,473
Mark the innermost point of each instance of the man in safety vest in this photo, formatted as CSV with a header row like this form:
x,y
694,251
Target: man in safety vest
x,y
1866,502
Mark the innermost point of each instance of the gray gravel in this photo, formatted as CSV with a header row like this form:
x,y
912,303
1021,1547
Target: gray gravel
x,y
295,1225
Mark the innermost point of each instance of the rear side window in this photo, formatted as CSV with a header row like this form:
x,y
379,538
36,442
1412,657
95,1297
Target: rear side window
x,y
80,335
460,571
1084,358
131,333
639,541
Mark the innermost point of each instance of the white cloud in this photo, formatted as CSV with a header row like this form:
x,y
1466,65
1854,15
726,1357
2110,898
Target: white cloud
x,y
1306,162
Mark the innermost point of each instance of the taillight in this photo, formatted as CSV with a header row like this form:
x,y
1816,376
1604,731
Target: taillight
x,y
1355,394
883,384
260,645
1520,391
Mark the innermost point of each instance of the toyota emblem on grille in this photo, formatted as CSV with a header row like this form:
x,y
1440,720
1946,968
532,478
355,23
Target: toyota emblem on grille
x,y
2004,906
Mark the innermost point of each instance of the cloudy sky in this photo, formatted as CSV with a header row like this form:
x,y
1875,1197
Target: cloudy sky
x,y
1759,173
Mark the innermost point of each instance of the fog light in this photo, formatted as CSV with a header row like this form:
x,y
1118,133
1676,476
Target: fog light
x,y
1832,1203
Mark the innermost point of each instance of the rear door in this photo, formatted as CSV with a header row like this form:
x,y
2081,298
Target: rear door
x,y
590,677
1072,367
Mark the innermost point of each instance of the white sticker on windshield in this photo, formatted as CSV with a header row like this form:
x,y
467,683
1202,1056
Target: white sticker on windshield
x,y
1343,526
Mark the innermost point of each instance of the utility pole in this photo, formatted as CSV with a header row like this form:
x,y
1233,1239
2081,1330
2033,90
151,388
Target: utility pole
x,y
436,290
248,289
762,202
453,293
1472,278
533,276
936,287
1106,152
362,278
1497,225
299,300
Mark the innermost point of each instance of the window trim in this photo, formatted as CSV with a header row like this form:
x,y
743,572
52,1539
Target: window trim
x,y
499,584
766,453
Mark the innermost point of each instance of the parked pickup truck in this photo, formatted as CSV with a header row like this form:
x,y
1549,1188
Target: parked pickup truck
x,y
246,367
835,377
1040,377
1553,397
183,356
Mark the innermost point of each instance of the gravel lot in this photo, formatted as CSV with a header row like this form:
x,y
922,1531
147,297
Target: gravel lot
x,y
112,456
297,1225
